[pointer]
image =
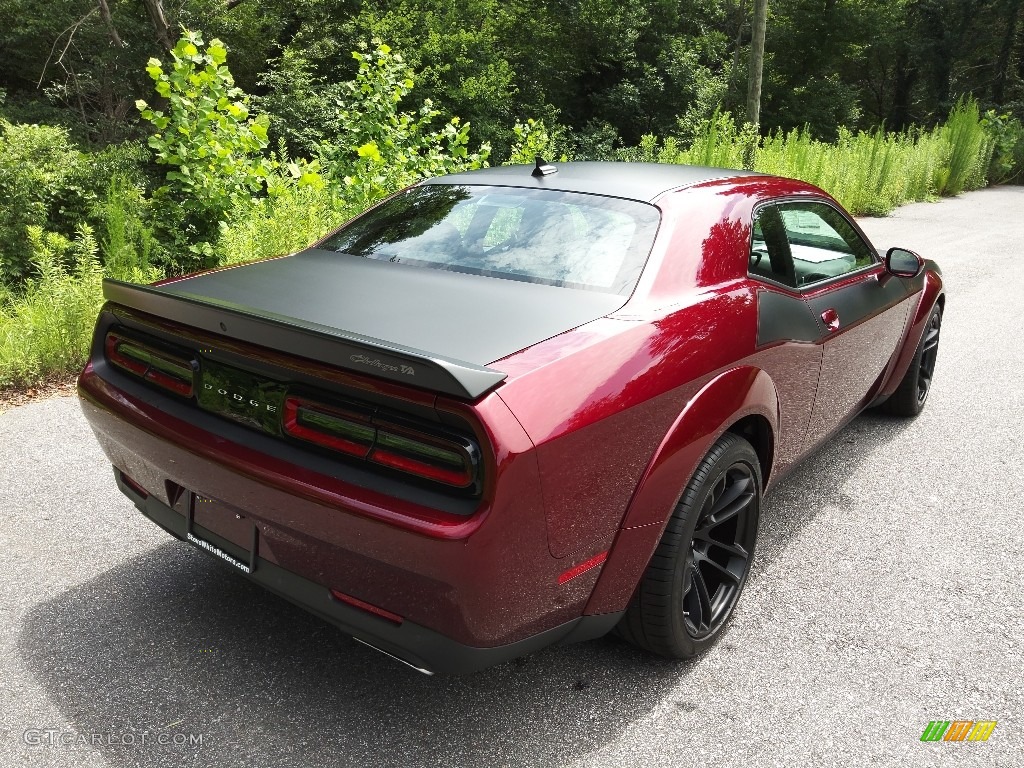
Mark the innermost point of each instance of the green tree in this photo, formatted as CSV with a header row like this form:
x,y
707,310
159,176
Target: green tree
x,y
380,147
207,137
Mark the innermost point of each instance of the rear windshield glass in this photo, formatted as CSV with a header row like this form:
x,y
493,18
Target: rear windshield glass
x,y
538,236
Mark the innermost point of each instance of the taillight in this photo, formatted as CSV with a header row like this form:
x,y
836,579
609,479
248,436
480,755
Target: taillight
x,y
332,428
425,456
440,459
357,430
166,370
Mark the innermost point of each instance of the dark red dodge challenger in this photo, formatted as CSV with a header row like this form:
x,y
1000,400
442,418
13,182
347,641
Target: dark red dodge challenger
x,y
514,407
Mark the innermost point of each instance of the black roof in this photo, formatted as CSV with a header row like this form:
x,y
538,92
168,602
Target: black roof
x,y
636,181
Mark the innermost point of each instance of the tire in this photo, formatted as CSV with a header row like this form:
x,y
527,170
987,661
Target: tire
x,y
909,398
670,615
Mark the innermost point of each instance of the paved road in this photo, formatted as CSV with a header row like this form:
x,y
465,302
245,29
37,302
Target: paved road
x,y
887,593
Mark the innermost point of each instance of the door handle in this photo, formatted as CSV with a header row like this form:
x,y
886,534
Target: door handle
x,y
831,319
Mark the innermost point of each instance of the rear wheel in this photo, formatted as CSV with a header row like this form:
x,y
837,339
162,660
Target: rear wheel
x,y
909,398
700,566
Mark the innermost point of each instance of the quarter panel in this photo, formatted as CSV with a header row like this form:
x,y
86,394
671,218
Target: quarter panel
x,y
611,391
720,403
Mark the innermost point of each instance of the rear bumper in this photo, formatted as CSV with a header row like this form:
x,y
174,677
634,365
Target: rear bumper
x,y
468,595
422,648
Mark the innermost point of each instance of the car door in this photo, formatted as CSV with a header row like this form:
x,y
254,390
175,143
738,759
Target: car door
x,y
859,308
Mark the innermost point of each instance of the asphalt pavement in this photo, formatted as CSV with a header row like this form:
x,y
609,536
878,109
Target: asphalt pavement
x,y
886,593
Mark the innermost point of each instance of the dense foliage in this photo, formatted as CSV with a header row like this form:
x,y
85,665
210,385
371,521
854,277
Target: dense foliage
x,y
127,151
608,72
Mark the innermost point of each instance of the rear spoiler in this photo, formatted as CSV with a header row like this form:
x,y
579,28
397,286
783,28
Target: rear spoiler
x,y
310,340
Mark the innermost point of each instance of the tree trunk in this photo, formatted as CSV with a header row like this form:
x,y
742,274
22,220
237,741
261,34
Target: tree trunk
x,y
1003,62
109,21
161,27
756,62
904,79
741,22
754,80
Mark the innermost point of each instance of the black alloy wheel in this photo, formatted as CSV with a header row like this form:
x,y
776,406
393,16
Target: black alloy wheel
x,y
720,551
697,573
909,398
929,353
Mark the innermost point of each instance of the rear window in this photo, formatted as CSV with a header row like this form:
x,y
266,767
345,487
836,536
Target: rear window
x,y
539,236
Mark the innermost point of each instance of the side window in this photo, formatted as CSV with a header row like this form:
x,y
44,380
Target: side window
x,y
822,243
770,256
798,244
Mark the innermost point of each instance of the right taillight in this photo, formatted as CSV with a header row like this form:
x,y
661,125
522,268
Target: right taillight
x,y
441,459
332,428
166,370
423,455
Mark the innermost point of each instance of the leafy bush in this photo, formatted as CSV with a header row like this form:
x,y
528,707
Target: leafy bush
x,y
301,106
597,141
46,329
223,185
381,148
1007,136
702,82
45,181
128,242
719,143
213,146
36,164
287,222
376,149
967,150
533,139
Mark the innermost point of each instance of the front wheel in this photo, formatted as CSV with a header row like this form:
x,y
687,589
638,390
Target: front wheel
x,y
909,398
700,566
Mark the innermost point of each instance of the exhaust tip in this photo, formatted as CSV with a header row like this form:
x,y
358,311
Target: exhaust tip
x,y
396,658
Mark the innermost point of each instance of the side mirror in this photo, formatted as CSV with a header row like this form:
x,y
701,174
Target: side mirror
x,y
903,263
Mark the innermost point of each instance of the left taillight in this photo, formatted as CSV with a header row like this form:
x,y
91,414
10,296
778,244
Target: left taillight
x,y
164,369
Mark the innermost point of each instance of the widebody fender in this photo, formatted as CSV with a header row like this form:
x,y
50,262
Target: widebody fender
x,y
721,403
931,291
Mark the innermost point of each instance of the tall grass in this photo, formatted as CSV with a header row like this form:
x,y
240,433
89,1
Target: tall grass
x,y
721,144
45,326
128,242
288,222
45,329
968,151
869,172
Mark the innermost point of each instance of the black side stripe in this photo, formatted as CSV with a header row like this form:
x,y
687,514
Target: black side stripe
x,y
781,317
